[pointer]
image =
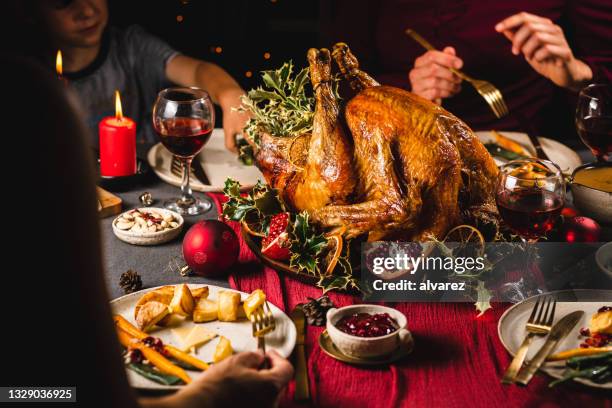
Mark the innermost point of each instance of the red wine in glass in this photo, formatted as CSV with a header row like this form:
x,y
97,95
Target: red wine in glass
x,y
531,213
184,137
596,133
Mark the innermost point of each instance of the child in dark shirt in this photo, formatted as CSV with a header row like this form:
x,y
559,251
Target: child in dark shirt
x,y
98,59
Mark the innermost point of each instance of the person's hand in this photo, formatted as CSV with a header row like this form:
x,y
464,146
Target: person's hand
x,y
431,77
236,381
545,48
233,122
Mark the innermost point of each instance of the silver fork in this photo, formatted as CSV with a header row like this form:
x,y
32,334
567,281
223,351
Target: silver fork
x,y
490,93
263,322
539,324
176,167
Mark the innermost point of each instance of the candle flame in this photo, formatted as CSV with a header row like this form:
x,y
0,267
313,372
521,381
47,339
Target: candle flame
x,y
118,110
58,63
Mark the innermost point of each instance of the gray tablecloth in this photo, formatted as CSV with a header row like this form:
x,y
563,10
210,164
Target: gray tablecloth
x,y
151,262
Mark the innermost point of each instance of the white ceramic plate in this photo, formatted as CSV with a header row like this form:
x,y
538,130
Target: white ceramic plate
x,y
282,339
566,158
218,163
511,326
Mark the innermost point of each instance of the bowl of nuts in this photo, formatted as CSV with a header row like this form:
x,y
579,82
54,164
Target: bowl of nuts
x,y
147,226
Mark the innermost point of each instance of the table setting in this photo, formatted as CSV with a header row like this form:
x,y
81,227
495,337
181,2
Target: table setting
x,y
266,250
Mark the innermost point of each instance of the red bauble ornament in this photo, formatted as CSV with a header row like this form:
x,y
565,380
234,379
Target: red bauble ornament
x,y
210,248
580,229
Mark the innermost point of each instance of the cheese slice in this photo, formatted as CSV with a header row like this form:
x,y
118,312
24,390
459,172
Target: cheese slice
x,y
197,337
181,333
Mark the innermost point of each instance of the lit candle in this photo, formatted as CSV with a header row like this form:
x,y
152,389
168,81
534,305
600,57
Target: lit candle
x,y
59,67
117,143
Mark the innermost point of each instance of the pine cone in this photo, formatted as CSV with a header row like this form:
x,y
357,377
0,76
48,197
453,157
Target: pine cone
x,y
316,309
130,281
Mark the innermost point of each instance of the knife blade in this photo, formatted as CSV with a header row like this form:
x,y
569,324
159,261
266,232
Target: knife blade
x,y
302,390
199,173
561,329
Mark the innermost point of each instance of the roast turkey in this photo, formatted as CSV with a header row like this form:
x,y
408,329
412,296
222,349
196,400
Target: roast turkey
x,y
388,164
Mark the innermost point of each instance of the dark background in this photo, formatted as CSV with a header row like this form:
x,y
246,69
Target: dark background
x,y
234,34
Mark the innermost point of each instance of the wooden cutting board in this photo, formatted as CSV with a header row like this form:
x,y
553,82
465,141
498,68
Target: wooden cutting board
x,y
108,203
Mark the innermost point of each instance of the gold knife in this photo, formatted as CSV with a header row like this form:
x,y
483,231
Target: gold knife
x,y
199,173
561,329
302,391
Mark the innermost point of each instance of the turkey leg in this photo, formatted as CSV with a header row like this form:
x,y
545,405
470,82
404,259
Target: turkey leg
x,y
328,173
349,66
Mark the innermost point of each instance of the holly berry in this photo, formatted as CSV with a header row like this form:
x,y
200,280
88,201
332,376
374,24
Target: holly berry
x,y
276,244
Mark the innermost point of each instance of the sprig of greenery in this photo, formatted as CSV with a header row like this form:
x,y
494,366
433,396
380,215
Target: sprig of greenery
x,y
260,203
281,107
306,245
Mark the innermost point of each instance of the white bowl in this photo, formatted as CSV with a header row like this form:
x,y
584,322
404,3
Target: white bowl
x,y
150,238
603,257
355,346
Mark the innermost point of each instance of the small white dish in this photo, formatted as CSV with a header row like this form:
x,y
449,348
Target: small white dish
x,y
364,347
150,238
603,257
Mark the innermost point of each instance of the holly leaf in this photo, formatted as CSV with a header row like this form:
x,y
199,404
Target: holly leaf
x,y
261,202
306,245
482,299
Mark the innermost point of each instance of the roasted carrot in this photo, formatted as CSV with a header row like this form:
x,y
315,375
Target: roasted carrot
x,y
133,331
509,144
578,352
162,363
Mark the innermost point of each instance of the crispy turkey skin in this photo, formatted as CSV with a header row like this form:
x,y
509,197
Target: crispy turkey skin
x,y
406,169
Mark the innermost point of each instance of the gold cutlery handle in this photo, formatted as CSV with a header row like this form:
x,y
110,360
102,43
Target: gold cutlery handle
x,y
527,372
427,45
302,390
517,361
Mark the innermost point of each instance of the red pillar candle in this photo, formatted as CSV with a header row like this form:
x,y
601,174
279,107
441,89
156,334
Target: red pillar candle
x,y
117,144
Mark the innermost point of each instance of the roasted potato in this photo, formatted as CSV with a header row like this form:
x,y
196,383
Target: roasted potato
x,y
150,313
182,302
162,295
223,350
228,304
200,293
254,301
205,310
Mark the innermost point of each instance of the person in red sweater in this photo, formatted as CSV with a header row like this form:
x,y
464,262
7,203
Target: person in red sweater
x,y
538,53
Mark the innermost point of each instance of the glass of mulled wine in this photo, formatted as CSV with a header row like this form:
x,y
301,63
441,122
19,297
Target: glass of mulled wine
x,y
594,119
184,119
530,196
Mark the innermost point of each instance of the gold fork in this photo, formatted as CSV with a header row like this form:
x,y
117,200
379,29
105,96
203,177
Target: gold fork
x,y
490,93
263,322
536,326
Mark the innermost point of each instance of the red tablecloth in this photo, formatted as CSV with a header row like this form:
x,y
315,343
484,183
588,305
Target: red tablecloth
x,y
457,361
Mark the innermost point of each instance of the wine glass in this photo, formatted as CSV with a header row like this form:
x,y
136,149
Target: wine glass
x,y
184,119
530,196
594,119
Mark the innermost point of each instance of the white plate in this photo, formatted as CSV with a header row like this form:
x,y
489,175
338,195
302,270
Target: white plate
x,y
566,158
282,339
511,326
218,163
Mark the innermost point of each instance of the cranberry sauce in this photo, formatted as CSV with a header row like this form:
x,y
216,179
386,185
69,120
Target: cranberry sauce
x,y
367,325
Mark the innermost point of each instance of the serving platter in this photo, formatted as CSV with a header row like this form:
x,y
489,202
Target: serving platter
x,y
566,158
511,326
282,339
217,161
